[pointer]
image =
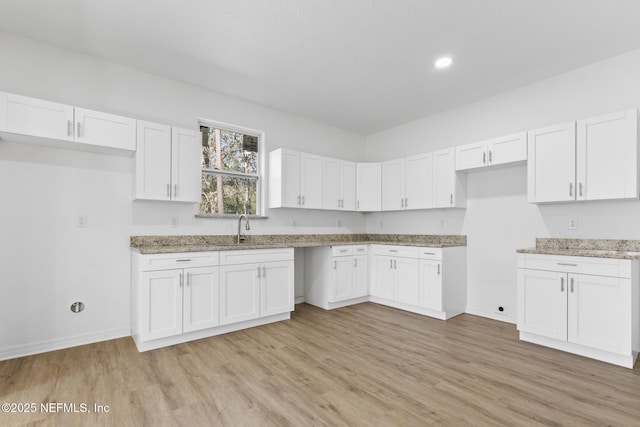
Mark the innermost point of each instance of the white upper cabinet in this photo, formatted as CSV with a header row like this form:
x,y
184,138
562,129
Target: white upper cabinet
x,y
35,117
449,188
591,159
419,181
393,188
338,184
295,180
607,157
369,187
186,146
32,120
167,163
105,130
551,167
497,151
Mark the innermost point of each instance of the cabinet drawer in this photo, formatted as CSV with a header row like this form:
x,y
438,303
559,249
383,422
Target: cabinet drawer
x,y
250,256
431,253
341,250
179,260
572,264
399,251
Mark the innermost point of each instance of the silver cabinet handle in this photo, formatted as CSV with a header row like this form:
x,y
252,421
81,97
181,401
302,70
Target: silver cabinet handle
x,y
181,279
567,264
264,271
302,200
390,263
78,125
183,260
571,189
358,205
258,272
168,190
429,253
438,269
571,286
451,198
69,127
395,264
406,202
175,190
335,264
299,200
562,284
490,159
355,262
484,158
342,203
402,203
338,202
580,189
393,250
188,279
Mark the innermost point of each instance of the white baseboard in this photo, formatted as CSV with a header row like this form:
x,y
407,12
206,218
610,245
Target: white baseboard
x,y
299,300
60,343
489,315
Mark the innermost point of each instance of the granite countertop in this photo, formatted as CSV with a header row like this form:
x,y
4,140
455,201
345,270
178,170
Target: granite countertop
x,y
599,248
174,244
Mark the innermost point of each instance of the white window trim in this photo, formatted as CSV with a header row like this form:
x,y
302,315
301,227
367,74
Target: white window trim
x,y
261,187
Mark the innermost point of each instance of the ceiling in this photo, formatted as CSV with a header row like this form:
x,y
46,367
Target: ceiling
x,y
362,65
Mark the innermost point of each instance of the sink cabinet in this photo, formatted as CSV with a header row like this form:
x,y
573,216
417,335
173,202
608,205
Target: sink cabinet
x,y
180,297
583,305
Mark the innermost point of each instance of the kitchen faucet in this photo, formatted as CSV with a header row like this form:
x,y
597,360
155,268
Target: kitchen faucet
x,y
241,237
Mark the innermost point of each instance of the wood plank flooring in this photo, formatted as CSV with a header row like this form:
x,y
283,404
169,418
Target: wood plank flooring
x,y
364,365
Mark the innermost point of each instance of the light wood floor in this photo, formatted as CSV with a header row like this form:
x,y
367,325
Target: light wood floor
x,y
361,365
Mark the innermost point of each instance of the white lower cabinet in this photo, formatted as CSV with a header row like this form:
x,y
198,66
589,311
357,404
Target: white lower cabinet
x,y
429,281
336,276
186,296
255,283
587,306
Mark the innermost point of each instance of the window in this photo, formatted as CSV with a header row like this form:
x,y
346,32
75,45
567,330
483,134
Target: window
x,y
230,170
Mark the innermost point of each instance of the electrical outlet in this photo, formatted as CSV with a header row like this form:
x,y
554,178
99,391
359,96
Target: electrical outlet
x,y
81,221
573,223
501,309
174,222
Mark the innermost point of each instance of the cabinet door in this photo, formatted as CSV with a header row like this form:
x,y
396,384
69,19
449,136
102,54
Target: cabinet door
x,y
239,293
331,184
105,130
311,181
341,279
360,276
201,301
471,156
31,116
431,285
607,157
393,175
551,166
443,178
277,288
542,303
368,187
348,185
186,165
291,179
419,182
161,304
153,161
507,149
600,312
382,277
407,289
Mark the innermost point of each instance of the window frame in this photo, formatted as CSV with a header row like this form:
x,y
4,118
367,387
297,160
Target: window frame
x,y
260,165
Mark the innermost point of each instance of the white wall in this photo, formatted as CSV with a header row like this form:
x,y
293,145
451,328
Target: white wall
x,y
498,219
47,262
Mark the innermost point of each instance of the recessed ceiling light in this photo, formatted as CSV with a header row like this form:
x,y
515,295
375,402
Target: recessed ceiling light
x,y
444,62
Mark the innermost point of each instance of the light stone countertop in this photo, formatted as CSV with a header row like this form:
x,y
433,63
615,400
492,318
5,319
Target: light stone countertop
x,y
598,248
176,244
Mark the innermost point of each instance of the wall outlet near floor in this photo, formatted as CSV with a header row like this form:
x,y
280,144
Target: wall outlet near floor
x,y
501,309
573,223
174,222
81,221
